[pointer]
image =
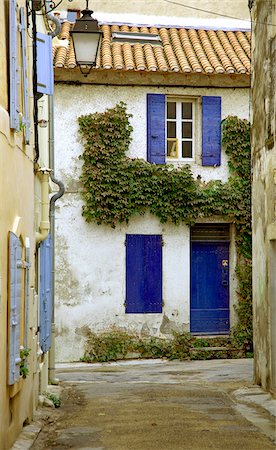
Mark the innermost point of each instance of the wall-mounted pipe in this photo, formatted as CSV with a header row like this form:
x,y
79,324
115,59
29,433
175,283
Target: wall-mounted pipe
x,y
52,353
53,19
44,225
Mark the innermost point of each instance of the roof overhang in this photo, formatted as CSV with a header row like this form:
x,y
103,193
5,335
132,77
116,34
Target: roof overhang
x,y
147,78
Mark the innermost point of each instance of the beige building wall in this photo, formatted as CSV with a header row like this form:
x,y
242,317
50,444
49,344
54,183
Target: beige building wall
x,y
264,193
217,8
20,194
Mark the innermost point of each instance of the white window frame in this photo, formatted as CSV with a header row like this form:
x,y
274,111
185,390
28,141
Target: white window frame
x,y
179,101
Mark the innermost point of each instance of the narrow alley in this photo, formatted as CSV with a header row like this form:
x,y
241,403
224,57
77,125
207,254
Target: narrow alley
x,y
159,404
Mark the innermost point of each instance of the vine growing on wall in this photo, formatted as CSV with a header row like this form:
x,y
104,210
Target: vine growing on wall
x,y
117,188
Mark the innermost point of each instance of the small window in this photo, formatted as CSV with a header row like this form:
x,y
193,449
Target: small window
x,y
180,129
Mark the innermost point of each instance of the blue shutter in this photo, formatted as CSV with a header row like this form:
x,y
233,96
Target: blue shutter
x,y
26,119
15,290
14,69
143,273
211,131
44,64
27,291
156,123
45,294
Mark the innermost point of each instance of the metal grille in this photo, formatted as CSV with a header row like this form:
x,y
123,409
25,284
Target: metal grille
x,y
210,232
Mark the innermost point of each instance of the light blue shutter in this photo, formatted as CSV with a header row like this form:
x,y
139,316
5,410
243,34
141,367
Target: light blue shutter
x,y
156,143
45,294
27,291
44,64
14,69
26,119
211,131
15,288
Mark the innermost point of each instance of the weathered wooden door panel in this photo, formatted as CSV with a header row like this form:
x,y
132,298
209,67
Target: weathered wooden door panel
x,y
210,287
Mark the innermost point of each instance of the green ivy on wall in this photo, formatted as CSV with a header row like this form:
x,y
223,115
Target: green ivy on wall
x,y
117,188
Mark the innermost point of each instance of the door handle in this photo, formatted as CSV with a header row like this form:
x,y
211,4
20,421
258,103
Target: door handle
x,y
224,283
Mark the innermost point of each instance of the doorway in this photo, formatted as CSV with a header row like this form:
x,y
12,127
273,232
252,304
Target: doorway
x,y
209,312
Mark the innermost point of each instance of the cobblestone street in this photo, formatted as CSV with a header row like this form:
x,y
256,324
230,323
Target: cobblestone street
x,y
147,405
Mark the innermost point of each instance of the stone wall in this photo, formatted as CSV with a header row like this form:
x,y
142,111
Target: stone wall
x,y
264,193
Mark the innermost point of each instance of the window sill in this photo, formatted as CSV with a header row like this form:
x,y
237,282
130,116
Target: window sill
x,y
179,161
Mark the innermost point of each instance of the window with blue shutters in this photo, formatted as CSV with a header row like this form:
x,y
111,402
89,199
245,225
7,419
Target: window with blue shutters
x,y
143,273
15,298
14,67
44,64
45,294
173,129
26,118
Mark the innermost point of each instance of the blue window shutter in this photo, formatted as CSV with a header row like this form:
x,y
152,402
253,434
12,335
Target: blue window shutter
x,y
211,131
26,118
27,290
143,273
14,69
15,290
44,64
45,294
156,117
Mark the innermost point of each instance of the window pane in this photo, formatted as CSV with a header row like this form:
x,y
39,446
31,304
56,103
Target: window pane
x,y
171,129
187,111
171,110
187,130
172,148
187,149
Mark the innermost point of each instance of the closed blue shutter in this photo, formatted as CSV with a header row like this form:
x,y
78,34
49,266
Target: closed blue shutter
x,y
14,69
26,119
156,117
15,291
45,294
211,131
44,64
27,291
143,273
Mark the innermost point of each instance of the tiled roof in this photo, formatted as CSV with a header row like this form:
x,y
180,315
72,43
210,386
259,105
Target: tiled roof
x,y
183,50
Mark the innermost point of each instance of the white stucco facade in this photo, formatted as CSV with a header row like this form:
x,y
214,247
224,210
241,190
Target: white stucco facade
x,y
90,259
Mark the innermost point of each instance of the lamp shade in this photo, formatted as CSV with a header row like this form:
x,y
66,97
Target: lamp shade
x,y
86,39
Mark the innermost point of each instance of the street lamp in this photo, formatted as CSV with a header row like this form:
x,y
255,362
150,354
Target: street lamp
x,y
86,38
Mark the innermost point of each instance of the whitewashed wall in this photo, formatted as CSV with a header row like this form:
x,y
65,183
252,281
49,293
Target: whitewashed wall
x,y
90,259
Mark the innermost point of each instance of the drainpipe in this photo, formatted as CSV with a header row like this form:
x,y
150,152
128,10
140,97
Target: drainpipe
x,y
53,19
55,32
52,351
44,226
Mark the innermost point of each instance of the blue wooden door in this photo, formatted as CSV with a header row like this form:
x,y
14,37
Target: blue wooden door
x,y
210,287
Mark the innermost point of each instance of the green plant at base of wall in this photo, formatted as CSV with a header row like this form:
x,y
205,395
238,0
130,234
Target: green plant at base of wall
x,y
115,343
116,188
23,369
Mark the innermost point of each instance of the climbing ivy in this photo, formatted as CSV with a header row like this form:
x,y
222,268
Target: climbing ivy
x,y
117,188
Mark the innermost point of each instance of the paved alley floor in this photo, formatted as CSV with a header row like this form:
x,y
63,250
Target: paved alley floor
x,y
164,405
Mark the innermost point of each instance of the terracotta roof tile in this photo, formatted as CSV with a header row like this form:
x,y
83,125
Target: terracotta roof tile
x,y
182,50
188,48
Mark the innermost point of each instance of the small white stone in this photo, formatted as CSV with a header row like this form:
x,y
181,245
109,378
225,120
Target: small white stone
x,y
41,399
48,403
